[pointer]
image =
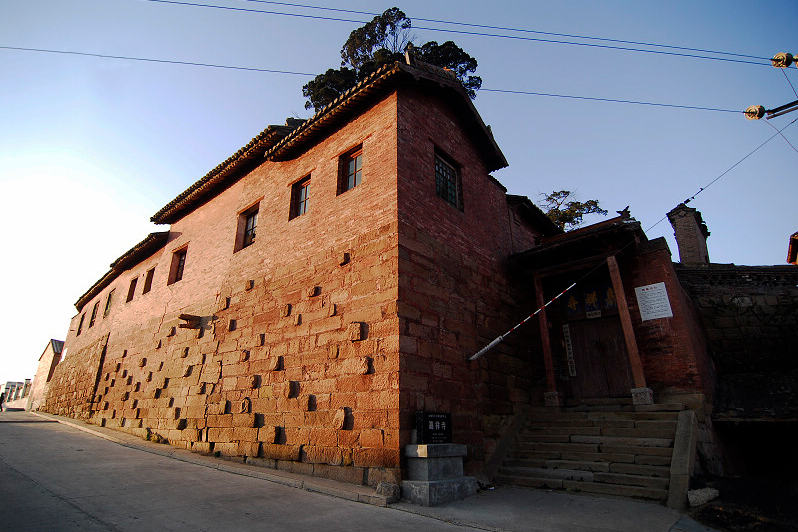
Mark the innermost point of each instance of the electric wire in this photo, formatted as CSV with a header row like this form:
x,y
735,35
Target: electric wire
x,y
520,30
151,60
474,33
612,100
783,71
579,280
274,71
779,131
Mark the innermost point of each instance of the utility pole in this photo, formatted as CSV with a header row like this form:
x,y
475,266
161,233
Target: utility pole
x,y
755,112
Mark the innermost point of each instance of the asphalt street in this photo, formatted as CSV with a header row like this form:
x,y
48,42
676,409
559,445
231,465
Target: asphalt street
x,y
72,477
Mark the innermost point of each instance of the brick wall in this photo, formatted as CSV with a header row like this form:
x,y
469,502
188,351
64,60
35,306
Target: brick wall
x,y
296,362
456,292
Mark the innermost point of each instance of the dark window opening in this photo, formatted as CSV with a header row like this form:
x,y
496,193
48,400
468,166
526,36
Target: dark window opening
x,y
247,228
148,280
350,170
132,290
80,325
178,265
447,183
94,314
108,303
300,197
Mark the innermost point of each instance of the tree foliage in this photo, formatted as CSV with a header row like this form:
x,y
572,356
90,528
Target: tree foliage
x,y
383,41
563,208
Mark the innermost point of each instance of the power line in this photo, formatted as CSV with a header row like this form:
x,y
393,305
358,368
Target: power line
x,y
521,30
474,33
529,93
273,71
150,60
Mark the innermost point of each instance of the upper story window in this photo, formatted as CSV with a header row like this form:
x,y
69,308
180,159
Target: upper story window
x,y
94,314
108,303
132,290
448,185
148,281
350,170
178,265
247,226
80,324
300,196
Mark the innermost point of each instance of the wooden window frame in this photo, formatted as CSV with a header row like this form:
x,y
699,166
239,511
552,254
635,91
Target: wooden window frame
x,y
178,266
448,181
349,177
300,197
246,234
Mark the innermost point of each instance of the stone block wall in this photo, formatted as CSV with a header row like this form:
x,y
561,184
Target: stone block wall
x,y
750,314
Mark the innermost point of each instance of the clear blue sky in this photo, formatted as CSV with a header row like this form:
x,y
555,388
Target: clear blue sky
x,y
91,147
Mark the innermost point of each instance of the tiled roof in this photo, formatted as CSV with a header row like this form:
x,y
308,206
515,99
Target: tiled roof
x,y
278,143
152,243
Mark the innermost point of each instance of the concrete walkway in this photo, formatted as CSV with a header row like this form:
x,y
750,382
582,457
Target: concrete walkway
x,y
62,474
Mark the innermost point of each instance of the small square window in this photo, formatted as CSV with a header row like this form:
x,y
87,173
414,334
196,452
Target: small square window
x,y
350,170
247,228
132,290
94,314
300,196
178,265
148,281
108,303
447,182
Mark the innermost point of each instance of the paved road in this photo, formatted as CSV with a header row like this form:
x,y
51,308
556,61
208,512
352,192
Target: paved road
x,y
56,478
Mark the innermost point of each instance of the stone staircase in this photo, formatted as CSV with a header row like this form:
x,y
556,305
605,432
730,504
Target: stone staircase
x,y
608,448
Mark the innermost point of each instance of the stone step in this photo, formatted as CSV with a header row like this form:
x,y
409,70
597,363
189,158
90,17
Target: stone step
x,y
532,430
662,471
655,494
621,440
644,459
603,467
628,458
636,416
558,447
598,401
633,449
541,472
551,433
630,480
663,407
639,432
529,482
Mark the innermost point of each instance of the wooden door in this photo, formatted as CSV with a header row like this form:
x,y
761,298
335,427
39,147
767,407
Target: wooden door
x,y
600,359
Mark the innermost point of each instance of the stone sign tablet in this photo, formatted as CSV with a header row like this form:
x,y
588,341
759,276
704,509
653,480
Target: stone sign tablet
x,y
432,427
